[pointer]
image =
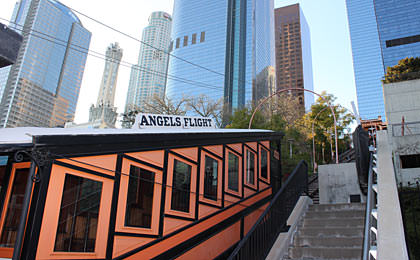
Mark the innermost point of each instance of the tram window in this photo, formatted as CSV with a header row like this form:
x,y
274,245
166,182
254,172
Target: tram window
x,y
78,219
250,167
210,178
140,198
181,186
3,164
233,172
264,163
14,208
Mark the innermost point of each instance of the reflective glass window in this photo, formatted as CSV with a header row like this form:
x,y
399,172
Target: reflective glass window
x,y
233,172
264,163
194,38
181,186
203,36
250,167
140,198
210,178
78,219
185,41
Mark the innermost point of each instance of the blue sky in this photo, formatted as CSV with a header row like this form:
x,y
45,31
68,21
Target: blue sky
x,y
331,50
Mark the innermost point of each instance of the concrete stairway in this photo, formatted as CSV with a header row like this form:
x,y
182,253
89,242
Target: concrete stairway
x,y
330,231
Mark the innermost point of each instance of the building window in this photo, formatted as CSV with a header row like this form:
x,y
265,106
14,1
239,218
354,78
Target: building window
x,y
14,208
78,218
171,46
264,163
177,43
402,41
210,178
185,41
203,36
140,198
250,167
181,186
233,172
410,161
194,38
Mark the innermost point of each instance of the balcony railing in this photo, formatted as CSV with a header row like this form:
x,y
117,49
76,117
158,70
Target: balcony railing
x,y
259,240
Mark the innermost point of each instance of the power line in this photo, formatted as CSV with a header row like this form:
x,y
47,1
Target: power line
x,y
151,46
122,63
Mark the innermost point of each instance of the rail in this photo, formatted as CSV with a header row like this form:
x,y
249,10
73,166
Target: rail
x,y
370,232
259,240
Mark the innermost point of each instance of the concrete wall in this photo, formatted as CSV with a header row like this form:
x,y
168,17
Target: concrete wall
x,y
337,182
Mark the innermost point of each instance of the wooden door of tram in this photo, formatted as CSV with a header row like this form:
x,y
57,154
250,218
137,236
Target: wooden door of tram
x,y
13,181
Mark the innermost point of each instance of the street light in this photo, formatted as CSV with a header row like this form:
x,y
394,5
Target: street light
x,y
300,89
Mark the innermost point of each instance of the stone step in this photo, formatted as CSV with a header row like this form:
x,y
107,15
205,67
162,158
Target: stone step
x,y
325,253
330,232
314,241
334,222
337,207
335,214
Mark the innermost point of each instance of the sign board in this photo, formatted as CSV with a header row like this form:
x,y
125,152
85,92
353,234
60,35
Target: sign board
x,y
172,121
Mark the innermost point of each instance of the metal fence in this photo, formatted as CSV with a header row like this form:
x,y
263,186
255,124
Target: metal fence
x,y
259,240
410,209
412,128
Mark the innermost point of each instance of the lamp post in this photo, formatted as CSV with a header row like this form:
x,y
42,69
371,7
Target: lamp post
x,y
300,89
313,136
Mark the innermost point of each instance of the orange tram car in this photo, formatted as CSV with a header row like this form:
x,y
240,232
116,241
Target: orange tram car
x,y
132,194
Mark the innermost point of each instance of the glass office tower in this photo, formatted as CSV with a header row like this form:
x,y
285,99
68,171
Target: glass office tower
x,y
148,77
220,48
382,33
42,87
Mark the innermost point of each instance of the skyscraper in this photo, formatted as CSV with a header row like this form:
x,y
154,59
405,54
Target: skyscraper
x,y
293,53
148,77
42,87
382,32
104,111
220,48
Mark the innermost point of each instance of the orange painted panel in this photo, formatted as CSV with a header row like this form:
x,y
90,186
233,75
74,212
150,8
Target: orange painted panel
x,y
172,224
266,144
204,210
236,147
190,153
105,163
123,244
253,145
163,246
153,157
216,245
217,149
122,200
52,210
6,252
263,185
252,218
230,199
248,192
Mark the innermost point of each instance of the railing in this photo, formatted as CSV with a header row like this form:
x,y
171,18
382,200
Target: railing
x,y
259,240
412,128
370,232
410,208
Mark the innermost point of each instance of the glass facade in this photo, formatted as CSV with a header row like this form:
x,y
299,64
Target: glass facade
x,y
43,86
148,77
238,46
372,24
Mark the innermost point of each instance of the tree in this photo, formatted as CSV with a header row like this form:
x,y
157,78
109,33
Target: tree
x,y
206,107
406,69
158,105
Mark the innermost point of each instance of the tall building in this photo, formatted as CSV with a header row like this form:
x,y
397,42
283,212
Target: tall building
x,y
221,51
104,112
293,53
42,87
148,77
382,33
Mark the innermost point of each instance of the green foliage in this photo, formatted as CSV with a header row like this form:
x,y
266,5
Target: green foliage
x,y
406,69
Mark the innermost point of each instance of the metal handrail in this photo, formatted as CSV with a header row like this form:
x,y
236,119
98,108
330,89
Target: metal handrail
x,y
272,226
370,201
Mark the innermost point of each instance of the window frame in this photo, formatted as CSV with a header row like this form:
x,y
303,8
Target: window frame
x,y
256,168
260,148
122,200
193,187
240,172
49,225
217,202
